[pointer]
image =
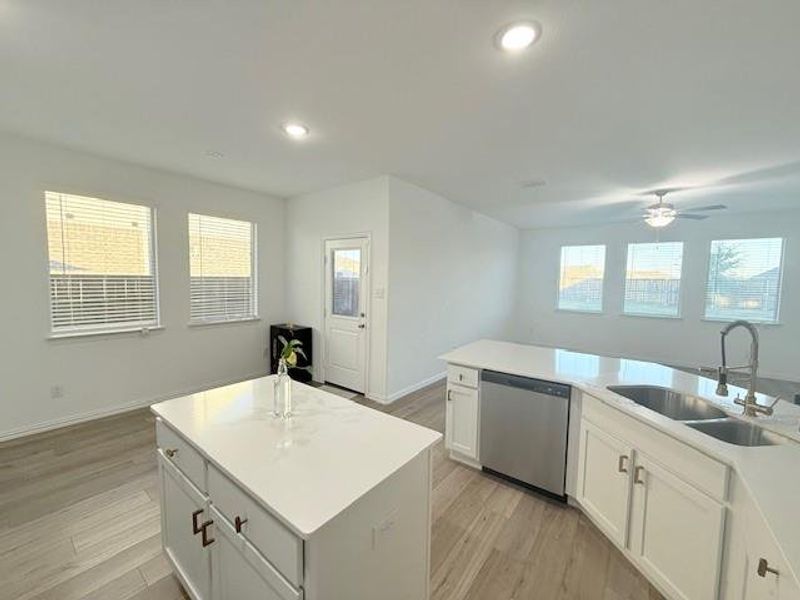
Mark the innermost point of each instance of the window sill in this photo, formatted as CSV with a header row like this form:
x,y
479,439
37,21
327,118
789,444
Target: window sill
x,y
649,316
223,322
731,320
142,331
579,312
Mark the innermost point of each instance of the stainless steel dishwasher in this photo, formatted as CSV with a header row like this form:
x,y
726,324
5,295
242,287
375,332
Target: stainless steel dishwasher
x,y
524,426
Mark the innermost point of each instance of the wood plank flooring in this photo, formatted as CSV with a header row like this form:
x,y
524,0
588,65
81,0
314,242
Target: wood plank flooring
x,y
79,518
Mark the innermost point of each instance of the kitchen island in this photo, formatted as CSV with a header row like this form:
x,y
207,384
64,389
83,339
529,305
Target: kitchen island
x,y
331,503
700,517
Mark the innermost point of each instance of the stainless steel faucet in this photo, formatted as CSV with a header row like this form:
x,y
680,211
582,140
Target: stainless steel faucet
x,y
751,407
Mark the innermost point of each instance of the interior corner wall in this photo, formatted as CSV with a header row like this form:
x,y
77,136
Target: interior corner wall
x,y
687,341
359,208
104,374
452,280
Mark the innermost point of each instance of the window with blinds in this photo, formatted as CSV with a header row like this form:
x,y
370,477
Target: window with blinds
x,y
580,286
744,280
222,274
102,265
653,279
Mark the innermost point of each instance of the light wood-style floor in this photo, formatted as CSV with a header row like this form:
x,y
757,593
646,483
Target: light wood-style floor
x,y
79,518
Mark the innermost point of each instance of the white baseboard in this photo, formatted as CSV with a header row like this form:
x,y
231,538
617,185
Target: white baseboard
x,y
411,388
91,415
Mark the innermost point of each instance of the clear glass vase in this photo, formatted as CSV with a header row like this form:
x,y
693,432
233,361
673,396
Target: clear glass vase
x,y
282,398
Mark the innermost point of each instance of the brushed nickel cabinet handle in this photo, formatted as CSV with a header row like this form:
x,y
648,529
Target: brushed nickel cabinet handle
x,y
449,395
636,478
207,541
238,522
621,463
764,568
195,525
171,452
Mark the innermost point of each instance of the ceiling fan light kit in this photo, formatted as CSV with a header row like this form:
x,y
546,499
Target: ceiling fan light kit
x,y
662,213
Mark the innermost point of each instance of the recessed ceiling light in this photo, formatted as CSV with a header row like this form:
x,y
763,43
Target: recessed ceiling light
x,y
214,154
295,130
518,36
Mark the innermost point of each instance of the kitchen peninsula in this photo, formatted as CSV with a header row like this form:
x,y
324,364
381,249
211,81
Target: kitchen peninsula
x,y
331,503
702,513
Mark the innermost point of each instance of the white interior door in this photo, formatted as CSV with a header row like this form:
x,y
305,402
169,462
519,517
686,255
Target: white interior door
x,y
346,298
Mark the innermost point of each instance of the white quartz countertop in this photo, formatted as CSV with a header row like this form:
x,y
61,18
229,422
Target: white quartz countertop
x,y
771,473
305,470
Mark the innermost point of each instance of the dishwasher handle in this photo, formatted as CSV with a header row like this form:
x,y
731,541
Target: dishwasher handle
x,y
538,386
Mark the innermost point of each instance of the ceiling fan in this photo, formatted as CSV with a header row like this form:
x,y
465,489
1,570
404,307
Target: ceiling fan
x,y
662,213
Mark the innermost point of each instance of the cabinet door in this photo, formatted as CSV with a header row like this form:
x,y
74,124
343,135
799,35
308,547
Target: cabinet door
x,y
604,480
461,420
183,506
676,532
775,582
239,572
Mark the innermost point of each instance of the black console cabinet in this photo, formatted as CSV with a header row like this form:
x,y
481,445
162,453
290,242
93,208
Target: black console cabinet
x,y
292,332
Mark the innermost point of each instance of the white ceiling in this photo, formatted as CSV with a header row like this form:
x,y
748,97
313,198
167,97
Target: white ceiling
x,y
617,97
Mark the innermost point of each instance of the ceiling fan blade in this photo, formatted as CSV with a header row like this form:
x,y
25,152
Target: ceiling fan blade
x,y
710,207
691,216
665,191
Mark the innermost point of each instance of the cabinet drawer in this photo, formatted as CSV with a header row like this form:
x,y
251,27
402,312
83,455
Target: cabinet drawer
x,y
270,537
462,376
699,469
240,572
182,455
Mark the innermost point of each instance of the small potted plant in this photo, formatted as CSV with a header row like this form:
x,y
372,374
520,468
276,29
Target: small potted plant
x,y
282,399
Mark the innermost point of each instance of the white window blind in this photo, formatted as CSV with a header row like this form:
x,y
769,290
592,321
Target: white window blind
x,y
222,274
580,285
102,265
744,280
653,279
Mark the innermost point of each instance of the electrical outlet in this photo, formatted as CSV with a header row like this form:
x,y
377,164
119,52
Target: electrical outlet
x,y
56,392
383,530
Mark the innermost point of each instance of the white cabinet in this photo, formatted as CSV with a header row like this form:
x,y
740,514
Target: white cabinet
x,y
461,420
225,545
671,530
766,575
239,571
675,532
184,512
604,480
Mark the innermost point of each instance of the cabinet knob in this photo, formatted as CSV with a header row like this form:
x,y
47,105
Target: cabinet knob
x,y
238,522
171,452
636,478
622,463
764,568
207,541
195,524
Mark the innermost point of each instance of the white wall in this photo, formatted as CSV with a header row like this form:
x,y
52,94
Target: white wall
x,y
106,373
360,208
452,277
688,341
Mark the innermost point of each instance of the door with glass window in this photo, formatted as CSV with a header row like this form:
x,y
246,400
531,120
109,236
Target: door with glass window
x,y
346,305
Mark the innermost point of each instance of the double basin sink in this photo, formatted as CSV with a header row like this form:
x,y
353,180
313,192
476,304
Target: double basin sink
x,y
697,414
